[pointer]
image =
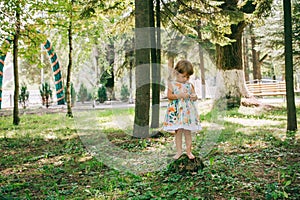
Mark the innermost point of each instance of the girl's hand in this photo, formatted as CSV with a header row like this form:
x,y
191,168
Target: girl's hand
x,y
183,96
193,97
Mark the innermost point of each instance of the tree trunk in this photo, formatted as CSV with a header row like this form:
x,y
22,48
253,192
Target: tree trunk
x,y
231,79
129,57
69,103
245,57
255,61
172,53
111,60
96,62
130,79
16,118
155,67
171,63
142,73
158,40
202,69
291,108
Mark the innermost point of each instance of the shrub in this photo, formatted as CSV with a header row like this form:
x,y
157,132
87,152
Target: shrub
x,y
24,95
102,96
46,94
124,93
90,96
83,93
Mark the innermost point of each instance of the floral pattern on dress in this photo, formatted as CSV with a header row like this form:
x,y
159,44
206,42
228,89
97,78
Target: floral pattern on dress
x,y
181,113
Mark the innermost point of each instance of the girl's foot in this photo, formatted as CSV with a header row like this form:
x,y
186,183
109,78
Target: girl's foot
x,y
191,156
177,156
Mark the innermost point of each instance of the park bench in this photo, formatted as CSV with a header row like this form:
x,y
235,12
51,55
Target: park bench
x,y
267,88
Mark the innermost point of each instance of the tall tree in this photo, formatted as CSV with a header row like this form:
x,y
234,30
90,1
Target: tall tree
x,y
108,75
194,22
108,22
16,23
256,59
270,39
229,55
142,70
201,59
290,96
155,65
16,118
69,71
245,57
269,36
226,21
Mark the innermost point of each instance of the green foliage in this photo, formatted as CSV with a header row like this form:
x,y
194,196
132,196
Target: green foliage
x,y
83,93
274,191
24,95
124,93
270,38
46,94
105,77
102,96
256,160
30,37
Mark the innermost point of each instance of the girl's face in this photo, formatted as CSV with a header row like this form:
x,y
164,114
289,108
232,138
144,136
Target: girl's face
x,y
182,78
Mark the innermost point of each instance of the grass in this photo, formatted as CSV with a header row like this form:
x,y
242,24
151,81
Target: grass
x,y
49,156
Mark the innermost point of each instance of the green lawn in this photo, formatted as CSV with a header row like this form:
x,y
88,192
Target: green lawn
x,y
49,156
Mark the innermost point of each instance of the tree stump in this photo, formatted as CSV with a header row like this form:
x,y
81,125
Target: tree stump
x,y
185,165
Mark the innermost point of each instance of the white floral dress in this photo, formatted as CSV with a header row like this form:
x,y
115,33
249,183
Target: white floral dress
x,y
181,113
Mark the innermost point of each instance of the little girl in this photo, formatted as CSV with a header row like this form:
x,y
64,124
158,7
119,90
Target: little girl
x,y
181,115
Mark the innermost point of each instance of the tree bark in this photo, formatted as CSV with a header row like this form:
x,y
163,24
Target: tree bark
x,y
231,79
202,68
255,61
16,118
129,57
142,73
96,61
68,93
245,58
291,108
156,74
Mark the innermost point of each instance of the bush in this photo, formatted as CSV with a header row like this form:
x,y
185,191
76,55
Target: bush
x,y
24,95
102,96
90,96
83,94
46,94
124,93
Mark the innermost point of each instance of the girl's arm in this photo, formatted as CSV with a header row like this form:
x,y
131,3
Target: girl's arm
x,y
172,96
193,96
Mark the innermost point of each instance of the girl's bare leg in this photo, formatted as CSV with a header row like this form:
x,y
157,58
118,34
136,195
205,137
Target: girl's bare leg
x,y
178,143
188,142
